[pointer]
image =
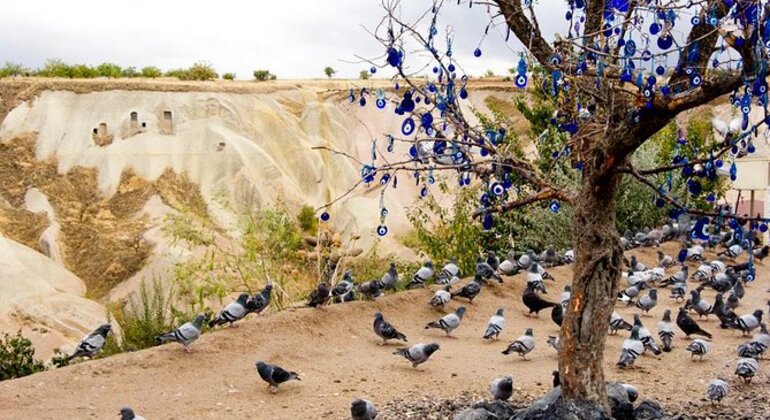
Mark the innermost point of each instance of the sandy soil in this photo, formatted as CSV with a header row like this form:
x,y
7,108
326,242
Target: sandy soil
x,y
339,359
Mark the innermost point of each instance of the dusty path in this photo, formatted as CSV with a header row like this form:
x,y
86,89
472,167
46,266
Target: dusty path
x,y
339,359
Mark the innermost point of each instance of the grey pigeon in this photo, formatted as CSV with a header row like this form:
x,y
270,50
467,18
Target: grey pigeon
x,y
535,278
232,312
275,375
495,325
127,413
370,289
486,271
645,303
732,301
631,350
448,322
501,388
422,276
385,331
362,410
523,345
717,390
186,334
470,290
526,260
665,261
666,330
645,337
699,347
637,265
757,346
749,322
320,296
441,297
92,343
746,368
390,279
566,295
344,288
633,393
700,305
260,301
508,266
419,353
493,261
618,323
450,274
553,341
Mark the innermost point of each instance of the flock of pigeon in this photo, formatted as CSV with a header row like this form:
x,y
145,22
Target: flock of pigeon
x,y
725,278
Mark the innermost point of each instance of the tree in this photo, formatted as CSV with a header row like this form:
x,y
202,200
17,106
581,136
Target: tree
x,y
605,109
263,75
109,70
329,72
201,71
12,69
151,72
364,75
17,357
55,67
229,76
130,72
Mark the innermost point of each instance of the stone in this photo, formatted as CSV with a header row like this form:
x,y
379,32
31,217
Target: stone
x,y
620,406
475,414
500,409
648,410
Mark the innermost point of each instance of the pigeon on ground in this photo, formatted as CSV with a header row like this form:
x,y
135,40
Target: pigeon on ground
x,y
645,303
678,291
422,276
733,301
470,290
441,298
495,325
703,273
534,302
92,343
632,292
232,313
665,261
645,337
523,345
557,314
569,256
732,252
448,322
631,391
493,261
320,296
390,278
419,353
275,375
343,291
636,265
688,325
535,279
738,289
526,260
260,301
501,388
717,390
746,368
666,330
749,322
508,266
127,413
631,350
385,331
700,305
698,347
486,271
450,274
370,289
548,257
761,254
362,410
185,334
553,341
618,323
758,344
725,315
566,295
695,253
679,277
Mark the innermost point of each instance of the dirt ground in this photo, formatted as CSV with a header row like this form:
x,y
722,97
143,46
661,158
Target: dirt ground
x,y
339,358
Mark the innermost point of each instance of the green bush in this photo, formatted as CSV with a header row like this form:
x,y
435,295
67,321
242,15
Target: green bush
x,y
329,72
364,75
180,74
263,75
12,69
201,71
130,72
109,70
17,357
307,219
229,76
55,67
83,71
151,72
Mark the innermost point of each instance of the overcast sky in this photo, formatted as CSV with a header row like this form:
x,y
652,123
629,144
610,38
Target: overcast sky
x,y
292,38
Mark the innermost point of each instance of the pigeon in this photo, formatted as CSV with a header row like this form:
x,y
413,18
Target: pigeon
x,y
493,261
679,277
666,330
553,341
757,346
746,368
761,254
508,266
748,322
556,380
362,410
260,301
731,252
495,325
486,271
92,343
320,296
501,388
665,261
390,278
717,390
700,305
636,265
633,393
127,413
704,272
733,301
470,290
275,375
232,312
523,345
645,337
738,289
566,295
678,291
548,257
645,303
370,289
617,323
631,292
423,275
688,325
698,347
631,350
419,353
557,314
385,331
695,253
343,290
725,315
526,260
534,302
450,274
186,334
441,298
448,322
535,279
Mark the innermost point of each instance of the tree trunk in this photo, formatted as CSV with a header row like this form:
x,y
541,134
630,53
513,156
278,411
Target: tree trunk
x,y
598,257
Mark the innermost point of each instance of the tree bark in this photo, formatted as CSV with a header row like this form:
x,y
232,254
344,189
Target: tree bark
x,y
598,257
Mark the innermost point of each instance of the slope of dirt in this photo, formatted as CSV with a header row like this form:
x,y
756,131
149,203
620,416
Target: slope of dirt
x,y
338,357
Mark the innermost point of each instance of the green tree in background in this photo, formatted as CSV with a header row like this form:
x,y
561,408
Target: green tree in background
x,y
329,72
109,70
151,72
263,75
229,76
364,75
17,357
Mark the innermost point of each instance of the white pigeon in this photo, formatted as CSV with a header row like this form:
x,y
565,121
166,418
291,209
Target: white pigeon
x,y
495,325
441,298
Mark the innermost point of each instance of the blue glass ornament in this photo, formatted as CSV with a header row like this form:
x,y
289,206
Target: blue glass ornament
x,y
407,127
701,229
682,257
521,81
497,189
373,70
487,222
477,52
424,192
380,103
382,230
665,42
554,206
325,216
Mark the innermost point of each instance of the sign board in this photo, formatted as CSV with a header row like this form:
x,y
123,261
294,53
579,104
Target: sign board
x,y
752,175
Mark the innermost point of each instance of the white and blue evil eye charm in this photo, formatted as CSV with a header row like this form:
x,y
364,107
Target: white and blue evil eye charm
x,y
554,206
382,230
